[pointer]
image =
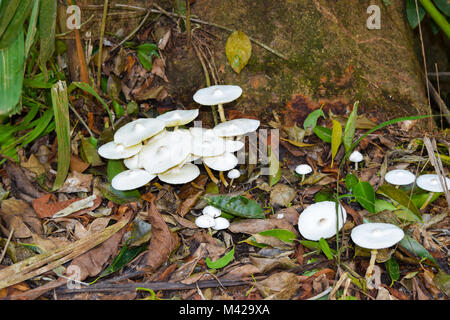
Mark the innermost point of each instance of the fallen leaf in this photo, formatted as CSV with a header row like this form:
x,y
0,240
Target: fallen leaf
x,y
282,195
45,206
253,226
77,182
19,215
34,165
78,165
279,286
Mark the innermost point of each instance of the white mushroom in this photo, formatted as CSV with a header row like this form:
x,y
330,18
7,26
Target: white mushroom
x,y
221,223
131,179
233,145
114,151
319,220
399,177
181,174
212,211
233,174
178,117
132,162
205,221
206,144
376,236
303,170
356,157
430,182
236,127
218,95
224,162
137,131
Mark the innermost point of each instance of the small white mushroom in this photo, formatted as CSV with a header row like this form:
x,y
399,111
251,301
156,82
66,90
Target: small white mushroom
x,y
376,236
430,182
178,117
224,162
303,170
137,131
356,157
399,177
218,95
212,211
131,179
181,174
319,220
221,223
233,174
205,221
114,151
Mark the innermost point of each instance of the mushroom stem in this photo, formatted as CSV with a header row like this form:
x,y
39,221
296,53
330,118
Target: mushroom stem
x,y
231,183
222,178
427,201
356,166
221,113
373,257
214,113
210,174
303,178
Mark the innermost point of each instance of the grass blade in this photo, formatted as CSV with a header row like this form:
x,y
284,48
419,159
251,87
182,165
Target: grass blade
x,y
47,27
16,24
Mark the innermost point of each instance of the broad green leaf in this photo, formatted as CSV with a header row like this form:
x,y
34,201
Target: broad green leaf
x,y
238,50
411,244
311,119
313,245
281,234
222,262
336,139
113,168
381,205
365,195
393,269
89,153
350,127
407,215
350,181
16,24
7,12
419,198
47,29
444,6
442,281
146,52
274,168
411,13
60,102
238,206
323,196
401,197
323,244
323,133
12,64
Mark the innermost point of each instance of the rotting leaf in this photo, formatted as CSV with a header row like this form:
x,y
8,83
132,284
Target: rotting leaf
x,y
238,50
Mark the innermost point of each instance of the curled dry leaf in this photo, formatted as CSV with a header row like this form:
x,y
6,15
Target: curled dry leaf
x,y
77,182
279,286
45,206
19,215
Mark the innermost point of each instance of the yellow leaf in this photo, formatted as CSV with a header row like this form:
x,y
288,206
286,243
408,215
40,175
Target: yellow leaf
x,y
336,139
238,50
297,144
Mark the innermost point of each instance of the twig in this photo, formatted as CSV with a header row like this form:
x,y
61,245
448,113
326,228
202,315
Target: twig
x,y
322,294
7,244
131,35
441,104
100,50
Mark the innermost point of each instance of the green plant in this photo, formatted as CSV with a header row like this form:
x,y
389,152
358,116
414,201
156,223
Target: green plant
x,y
438,10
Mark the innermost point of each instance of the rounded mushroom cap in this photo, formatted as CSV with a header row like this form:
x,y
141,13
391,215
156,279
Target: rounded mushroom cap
x,y
233,174
303,169
207,144
221,223
319,220
166,151
115,151
356,156
430,182
180,174
205,221
137,131
224,162
212,211
236,127
131,179
376,235
233,145
219,94
400,177
178,117
132,162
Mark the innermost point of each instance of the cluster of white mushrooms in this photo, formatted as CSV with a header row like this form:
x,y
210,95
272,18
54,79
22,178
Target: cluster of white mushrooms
x,y
156,147
211,219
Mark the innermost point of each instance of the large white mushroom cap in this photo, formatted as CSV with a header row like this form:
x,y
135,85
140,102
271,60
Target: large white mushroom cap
x,y
205,221
206,144
236,127
180,174
166,151
319,220
430,182
219,94
233,145
133,162
114,151
131,179
224,162
400,177
221,223
303,169
178,117
356,156
138,130
376,235
212,211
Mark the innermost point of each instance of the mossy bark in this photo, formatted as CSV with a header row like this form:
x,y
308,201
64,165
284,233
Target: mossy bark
x,y
334,59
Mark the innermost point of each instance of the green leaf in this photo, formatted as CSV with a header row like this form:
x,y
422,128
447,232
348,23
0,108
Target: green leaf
x,y
336,139
350,181
444,6
238,206
222,262
381,205
323,244
350,127
365,195
238,50
114,167
12,64
311,119
146,52
323,133
7,12
419,198
47,29
401,197
393,269
411,13
323,196
89,153
60,104
411,244
281,234
313,245
15,26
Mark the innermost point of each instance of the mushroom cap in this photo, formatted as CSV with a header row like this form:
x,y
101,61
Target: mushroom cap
x,y
178,117
219,94
430,182
233,145
376,235
400,177
212,211
114,151
356,156
137,131
319,220
133,162
233,174
236,127
205,221
131,179
224,162
206,144
166,151
303,169
221,223
180,174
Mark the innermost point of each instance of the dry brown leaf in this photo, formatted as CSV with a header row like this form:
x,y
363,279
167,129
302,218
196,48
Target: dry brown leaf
x,y
19,215
252,226
77,182
78,165
45,208
20,180
267,264
34,165
279,286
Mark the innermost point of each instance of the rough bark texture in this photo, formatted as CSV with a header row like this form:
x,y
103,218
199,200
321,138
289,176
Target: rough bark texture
x,y
334,59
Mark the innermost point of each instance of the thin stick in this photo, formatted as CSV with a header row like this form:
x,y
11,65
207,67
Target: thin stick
x,y
133,32
100,50
7,244
84,74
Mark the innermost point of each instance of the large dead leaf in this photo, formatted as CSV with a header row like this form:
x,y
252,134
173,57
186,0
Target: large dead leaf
x,y
279,286
45,206
19,215
252,226
77,182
